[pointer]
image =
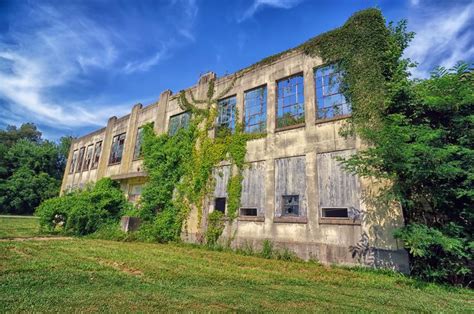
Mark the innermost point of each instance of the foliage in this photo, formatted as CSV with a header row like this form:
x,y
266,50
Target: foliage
x,y
215,227
84,211
31,168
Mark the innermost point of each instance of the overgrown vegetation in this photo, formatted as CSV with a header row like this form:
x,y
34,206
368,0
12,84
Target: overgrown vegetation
x,y
83,211
31,168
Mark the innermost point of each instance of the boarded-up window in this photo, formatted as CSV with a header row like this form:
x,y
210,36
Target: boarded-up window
x,y
116,152
89,153
338,189
73,161
290,186
97,151
253,189
221,176
80,159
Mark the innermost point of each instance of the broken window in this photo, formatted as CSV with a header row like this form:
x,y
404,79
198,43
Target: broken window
x,y
335,212
178,121
255,117
291,205
290,101
331,102
97,151
219,204
248,212
89,153
116,152
137,153
80,159
73,161
226,116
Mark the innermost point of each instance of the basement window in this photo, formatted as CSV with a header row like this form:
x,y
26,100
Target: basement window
x,y
335,212
290,105
219,204
97,151
252,212
291,206
118,142
331,102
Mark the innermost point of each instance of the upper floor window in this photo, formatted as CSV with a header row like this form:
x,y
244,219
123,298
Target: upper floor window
x,y
255,117
178,121
97,151
116,152
89,153
226,115
290,101
80,159
331,102
137,153
73,161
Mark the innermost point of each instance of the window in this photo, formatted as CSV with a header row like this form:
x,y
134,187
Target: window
x,y
226,115
89,152
73,161
97,151
80,159
219,204
137,153
290,106
178,121
335,212
291,205
117,149
255,103
248,212
331,102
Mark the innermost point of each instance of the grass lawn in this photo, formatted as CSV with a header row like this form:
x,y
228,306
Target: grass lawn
x,y
85,275
18,226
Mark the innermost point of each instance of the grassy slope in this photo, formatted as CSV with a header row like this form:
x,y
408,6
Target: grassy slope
x,y
91,275
18,226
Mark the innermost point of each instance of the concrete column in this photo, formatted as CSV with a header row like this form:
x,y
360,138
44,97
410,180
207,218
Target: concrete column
x,y
130,139
160,120
106,145
309,95
271,106
67,168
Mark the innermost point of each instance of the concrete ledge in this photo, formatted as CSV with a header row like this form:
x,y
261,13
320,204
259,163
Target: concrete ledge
x,y
295,220
251,218
129,175
338,221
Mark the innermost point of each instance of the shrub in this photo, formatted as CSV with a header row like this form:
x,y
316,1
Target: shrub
x,y
215,226
83,212
267,249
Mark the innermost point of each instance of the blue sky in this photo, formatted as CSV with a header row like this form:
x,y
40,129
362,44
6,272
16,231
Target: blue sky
x,y
69,65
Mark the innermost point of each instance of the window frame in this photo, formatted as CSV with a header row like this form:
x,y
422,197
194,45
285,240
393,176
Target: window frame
x,y
283,211
180,121
93,164
80,159
138,137
225,204
73,164
111,163
87,161
234,114
316,102
289,126
265,113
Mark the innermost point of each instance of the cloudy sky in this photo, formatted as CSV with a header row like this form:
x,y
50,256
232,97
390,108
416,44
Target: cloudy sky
x,y
69,65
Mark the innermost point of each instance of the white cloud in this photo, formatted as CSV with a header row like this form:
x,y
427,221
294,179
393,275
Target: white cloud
x,y
257,5
443,37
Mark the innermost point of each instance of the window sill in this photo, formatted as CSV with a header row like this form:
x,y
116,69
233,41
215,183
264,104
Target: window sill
x,y
114,164
290,127
251,218
339,221
288,219
320,121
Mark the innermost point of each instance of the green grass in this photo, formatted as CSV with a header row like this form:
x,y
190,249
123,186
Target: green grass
x,y
85,275
18,226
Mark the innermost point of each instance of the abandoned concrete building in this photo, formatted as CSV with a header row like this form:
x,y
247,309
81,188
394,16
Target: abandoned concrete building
x,y
294,192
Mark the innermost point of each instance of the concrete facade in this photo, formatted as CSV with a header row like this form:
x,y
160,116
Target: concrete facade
x,y
298,160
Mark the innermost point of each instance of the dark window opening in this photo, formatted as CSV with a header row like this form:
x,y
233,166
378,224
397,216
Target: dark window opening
x,y
335,213
80,159
291,205
219,204
97,151
118,142
73,161
248,212
87,162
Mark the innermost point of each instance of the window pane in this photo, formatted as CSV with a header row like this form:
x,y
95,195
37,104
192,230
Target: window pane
x,y
290,100
138,144
331,102
255,113
178,121
97,151
117,148
226,115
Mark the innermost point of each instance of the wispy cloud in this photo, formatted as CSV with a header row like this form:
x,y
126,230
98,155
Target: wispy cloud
x,y
444,35
257,5
48,52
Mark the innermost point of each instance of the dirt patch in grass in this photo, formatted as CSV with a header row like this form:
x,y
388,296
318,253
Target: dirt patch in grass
x,y
35,239
120,266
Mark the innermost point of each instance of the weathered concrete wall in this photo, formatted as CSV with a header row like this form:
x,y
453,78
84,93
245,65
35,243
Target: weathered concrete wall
x,y
294,160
